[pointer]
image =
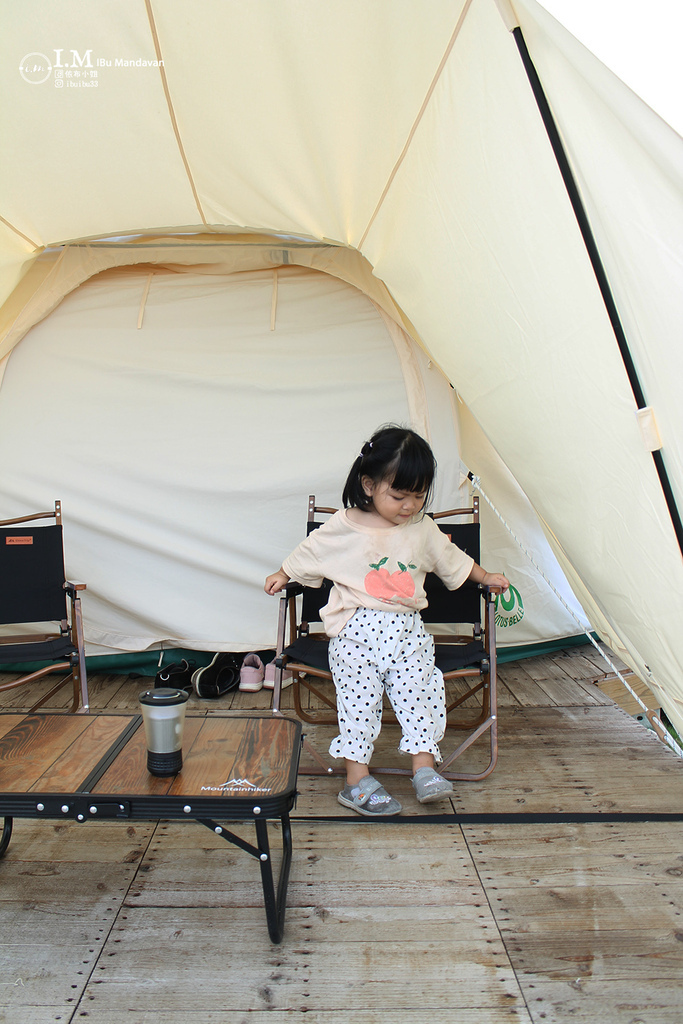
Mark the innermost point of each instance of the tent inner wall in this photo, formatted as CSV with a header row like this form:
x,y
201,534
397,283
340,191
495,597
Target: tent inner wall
x,y
208,406
199,436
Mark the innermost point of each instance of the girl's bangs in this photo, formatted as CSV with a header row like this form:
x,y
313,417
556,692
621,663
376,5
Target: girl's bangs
x,y
414,472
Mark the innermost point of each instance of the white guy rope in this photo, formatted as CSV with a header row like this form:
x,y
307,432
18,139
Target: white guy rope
x,y
658,726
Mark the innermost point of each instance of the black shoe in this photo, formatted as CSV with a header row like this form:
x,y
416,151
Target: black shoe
x,y
178,675
218,678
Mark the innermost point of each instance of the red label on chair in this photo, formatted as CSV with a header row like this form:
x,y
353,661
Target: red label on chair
x,y
18,540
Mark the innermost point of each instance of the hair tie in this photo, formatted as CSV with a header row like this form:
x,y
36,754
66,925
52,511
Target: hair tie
x,y
363,452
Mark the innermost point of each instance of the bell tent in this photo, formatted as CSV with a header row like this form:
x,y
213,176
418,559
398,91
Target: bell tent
x,y
236,239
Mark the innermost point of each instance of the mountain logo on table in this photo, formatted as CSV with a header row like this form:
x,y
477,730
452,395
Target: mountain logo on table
x,y
237,786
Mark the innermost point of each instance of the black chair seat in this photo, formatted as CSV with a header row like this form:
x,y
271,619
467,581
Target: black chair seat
x,y
43,650
450,657
306,650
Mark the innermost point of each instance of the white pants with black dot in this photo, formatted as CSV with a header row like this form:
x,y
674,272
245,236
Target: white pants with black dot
x,y
391,651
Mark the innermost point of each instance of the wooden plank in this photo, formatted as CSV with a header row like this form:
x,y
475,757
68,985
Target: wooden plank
x,y
22,698
588,1000
29,749
595,658
581,855
120,693
614,689
543,667
586,910
579,665
246,701
71,769
129,772
26,1014
301,973
466,1015
117,692
398,854
574,663
506,697
558,684
363,836
8,722
221,887
636,954
521,686
607,726
92,842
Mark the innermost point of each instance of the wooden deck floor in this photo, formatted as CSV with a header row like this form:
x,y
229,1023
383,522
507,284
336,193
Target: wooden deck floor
x,y
398,922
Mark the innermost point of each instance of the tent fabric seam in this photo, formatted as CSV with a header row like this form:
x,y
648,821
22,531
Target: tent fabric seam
x,y
418,119
36,245
171,111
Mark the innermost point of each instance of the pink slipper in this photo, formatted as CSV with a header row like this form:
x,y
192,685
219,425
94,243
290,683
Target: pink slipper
x,y
269,680
251,673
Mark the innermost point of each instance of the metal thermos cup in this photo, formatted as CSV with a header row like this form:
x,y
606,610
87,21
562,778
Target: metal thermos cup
x,y
163,712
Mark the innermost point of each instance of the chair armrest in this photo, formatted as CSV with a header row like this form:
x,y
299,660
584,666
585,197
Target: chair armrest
x,y
291,589
489,592
71,586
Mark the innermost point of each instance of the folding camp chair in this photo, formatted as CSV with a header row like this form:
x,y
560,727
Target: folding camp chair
x,y
33,590
467,658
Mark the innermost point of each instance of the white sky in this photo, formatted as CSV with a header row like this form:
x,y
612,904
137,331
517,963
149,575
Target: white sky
x,y
640,40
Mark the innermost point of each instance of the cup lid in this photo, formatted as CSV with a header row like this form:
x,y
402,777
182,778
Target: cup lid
x,y
163,695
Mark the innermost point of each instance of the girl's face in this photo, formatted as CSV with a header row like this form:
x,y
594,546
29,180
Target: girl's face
x,y
392,505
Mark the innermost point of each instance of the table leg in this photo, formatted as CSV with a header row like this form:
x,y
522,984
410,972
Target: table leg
x,y
275,902
6,836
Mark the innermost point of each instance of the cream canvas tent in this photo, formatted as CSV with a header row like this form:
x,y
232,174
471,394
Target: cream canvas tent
x,y
400,149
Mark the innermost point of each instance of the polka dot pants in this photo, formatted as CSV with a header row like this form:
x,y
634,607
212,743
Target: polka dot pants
x,y
390,651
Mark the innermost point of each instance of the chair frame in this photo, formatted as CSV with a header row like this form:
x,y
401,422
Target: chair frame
x,y
70,626
486,678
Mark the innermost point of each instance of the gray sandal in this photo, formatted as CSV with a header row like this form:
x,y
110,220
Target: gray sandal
x,y
369,797
429,785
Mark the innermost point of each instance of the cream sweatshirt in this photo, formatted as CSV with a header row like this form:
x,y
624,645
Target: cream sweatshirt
x,y
380,568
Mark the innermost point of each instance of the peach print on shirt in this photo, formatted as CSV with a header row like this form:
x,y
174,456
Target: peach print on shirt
x,y
386,586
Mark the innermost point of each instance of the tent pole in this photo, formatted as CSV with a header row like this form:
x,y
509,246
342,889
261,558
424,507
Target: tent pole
x,y
598,267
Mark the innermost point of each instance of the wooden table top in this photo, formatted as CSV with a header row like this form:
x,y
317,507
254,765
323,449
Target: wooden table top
x,y
240,759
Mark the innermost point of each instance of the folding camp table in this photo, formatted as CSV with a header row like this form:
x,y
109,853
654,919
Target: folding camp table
x,y
86,767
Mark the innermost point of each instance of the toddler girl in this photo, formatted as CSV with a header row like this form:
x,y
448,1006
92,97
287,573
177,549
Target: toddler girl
x,y
377,550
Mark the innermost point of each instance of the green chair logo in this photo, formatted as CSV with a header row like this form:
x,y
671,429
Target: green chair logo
x,y
509,608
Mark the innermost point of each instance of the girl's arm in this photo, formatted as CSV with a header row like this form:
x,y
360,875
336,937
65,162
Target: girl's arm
x,y
489,579
276,581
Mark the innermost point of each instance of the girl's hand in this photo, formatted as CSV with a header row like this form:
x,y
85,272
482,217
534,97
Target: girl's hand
x,y
276,582
496,579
